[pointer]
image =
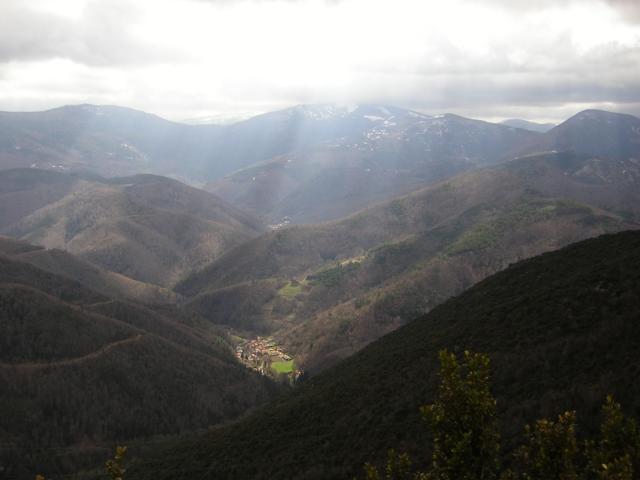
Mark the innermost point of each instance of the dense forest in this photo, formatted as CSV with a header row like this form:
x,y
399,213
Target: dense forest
x,y
548,325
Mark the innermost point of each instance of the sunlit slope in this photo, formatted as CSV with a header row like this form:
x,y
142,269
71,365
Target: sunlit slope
x,y
401,151
392,151
149,228
67,265
370,273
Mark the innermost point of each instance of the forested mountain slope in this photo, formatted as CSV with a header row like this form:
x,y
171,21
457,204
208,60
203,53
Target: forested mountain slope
x,y
80,370
353,280
561,331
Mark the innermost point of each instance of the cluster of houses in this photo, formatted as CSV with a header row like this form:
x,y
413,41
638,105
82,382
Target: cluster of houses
x,y
259,353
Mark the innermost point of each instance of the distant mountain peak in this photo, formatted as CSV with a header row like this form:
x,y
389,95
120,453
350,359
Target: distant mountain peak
x,y
599,115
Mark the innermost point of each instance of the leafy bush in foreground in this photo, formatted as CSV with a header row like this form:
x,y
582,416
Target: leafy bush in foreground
x,y
466,442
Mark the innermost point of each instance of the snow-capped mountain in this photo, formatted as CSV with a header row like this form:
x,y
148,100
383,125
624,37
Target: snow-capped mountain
x,y
345,158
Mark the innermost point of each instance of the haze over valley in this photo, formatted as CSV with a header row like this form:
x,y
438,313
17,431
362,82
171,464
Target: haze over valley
x,y
359,232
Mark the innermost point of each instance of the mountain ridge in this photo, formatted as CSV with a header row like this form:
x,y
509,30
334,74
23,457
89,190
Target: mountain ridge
x,y
80,370
574,303
360,277
146,227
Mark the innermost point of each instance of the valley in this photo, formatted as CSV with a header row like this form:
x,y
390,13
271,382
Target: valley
x,y
319,240
561,333
140,308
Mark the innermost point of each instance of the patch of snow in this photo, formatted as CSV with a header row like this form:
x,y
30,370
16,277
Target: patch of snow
x,y
373,118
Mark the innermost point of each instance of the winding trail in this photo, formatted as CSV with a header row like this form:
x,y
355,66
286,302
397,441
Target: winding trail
x,y
72,361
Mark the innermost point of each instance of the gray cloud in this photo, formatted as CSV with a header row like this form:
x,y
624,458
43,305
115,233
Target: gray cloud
x,y
542,73
629,9
101,36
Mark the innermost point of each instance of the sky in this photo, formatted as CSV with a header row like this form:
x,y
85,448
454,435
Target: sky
x,y
541,60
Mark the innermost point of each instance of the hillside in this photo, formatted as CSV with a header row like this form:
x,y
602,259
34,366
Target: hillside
x,y
402,151
560,330
356,279
385,152
80,370
303,164
601,134
66,265
149,228
105,140
113,141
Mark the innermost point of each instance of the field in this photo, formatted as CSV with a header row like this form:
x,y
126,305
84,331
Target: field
x,y
283,367
290,290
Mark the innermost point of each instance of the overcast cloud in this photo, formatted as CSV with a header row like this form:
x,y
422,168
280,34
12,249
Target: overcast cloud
x,y
491,59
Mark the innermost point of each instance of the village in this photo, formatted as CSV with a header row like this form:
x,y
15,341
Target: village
x,y
266,357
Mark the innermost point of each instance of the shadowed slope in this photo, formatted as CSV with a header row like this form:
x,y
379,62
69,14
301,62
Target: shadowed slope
x,y
80,370
561,330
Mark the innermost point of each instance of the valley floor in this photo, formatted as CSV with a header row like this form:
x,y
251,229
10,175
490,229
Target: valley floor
x,y
266,357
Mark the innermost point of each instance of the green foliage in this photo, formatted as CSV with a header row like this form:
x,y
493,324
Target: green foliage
x,y
398,467
466,441
613,455
463,425
550,449
465,438
290,289
485,234
333,276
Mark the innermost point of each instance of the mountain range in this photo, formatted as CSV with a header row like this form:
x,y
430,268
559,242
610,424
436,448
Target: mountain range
x,y
323,229
305,164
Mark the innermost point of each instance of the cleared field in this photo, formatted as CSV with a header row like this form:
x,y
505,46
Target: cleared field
x,y
290,290
283,367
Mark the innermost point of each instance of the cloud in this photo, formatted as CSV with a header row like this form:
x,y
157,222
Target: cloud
x,y
184,58
629,9
102,34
